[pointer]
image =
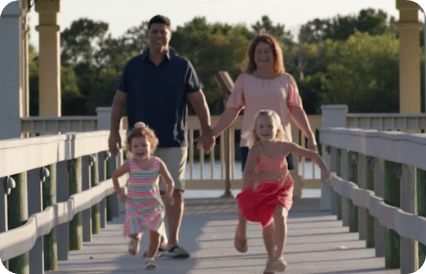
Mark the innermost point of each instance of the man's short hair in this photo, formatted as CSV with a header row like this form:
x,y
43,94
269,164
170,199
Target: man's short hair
x,y
159,19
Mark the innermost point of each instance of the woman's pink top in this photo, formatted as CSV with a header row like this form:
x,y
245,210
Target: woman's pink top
x,y
253,94
259,205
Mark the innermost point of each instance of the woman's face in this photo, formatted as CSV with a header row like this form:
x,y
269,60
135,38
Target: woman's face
x,y
263,56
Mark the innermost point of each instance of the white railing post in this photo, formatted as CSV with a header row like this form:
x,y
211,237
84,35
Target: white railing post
x,y
332,116
10,76
104,117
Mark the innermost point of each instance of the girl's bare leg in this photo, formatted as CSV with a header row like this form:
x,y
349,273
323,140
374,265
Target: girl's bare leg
x,y
240,241
280,219
154,244
269,240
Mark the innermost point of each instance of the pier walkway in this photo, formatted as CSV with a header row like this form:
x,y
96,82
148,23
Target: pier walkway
x,y
316,243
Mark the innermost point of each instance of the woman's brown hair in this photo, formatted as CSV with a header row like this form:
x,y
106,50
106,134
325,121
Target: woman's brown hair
x,y
276,51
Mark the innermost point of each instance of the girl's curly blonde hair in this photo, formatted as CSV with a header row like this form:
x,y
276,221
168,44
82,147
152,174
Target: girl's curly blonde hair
x,y
142,130
251,135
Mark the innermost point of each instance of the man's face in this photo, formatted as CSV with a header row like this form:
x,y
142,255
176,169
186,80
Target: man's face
x,y
159,36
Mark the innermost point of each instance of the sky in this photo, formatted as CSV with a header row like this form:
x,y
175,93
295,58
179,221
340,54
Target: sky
x,y
124,14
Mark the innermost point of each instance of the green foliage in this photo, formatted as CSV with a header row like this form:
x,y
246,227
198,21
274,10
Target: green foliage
x,y
349,60
212,48
363,73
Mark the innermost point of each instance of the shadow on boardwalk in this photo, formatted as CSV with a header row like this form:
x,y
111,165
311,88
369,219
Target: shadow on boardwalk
x,y
316,243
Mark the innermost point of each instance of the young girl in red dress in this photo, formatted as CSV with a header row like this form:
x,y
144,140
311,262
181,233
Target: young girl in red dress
x,y
267,194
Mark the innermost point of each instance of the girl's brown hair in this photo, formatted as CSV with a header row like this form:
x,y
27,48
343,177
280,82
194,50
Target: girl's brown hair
x,y
276,50
142,130
251,135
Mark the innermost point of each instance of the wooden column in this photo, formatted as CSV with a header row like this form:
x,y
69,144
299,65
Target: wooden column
x,y
379,190
18,215
409,249
50,240
392,197
75,225
49,57
353,177
409,27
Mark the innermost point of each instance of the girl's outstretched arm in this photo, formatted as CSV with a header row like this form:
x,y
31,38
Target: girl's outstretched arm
x,y
168,180
125,168
250,176
315,157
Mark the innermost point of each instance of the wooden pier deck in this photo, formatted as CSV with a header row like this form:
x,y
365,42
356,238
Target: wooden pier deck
x,y
316,243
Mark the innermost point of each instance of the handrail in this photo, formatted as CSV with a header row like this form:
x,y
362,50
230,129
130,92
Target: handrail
x,y
20,240
405,224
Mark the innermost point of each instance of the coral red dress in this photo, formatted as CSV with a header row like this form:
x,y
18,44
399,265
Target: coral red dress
x,y
259,205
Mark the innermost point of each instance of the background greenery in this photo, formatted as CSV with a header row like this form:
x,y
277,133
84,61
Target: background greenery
x,y
349,60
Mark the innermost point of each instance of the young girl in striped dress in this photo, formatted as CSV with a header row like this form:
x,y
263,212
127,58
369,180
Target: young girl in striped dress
x,y
144,206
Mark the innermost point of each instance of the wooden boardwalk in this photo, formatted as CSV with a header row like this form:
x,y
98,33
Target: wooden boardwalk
x,y
316,243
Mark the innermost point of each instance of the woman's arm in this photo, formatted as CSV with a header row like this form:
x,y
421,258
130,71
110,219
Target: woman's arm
x,y
250,176
125,168
301,120
225,120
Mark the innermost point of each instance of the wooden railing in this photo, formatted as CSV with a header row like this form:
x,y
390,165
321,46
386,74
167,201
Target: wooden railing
x,y
380,190
414,123
53,187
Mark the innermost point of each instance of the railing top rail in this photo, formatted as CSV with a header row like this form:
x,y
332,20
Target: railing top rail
x,y
20,155
62,118
393,146
385,115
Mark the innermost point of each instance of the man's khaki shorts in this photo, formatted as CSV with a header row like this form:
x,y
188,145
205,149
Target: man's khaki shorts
x,y
175,160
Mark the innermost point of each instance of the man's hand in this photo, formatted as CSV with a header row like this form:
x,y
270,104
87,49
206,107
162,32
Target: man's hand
x,y
206,141
114,142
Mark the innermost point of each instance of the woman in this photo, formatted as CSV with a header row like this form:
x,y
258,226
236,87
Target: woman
x,y
263,85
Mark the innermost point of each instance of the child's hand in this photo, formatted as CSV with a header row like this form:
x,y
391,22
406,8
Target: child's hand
x,y
168,199
276,175
122,196
325,175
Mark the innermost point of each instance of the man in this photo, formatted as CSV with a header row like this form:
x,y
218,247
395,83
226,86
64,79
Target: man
x,y
156,86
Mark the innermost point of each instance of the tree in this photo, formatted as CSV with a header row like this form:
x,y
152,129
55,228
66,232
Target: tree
x,y
362,73
211,48
342,27
278,31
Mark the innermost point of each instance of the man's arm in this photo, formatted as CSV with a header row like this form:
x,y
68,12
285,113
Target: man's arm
x,y
301,121
198,101
116,113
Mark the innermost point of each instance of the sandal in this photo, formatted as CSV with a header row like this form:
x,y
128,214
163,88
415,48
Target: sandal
x,y
134,247
150,263
240,244
280,264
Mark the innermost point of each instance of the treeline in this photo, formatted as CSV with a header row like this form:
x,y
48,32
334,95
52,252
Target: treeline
x,y
349,60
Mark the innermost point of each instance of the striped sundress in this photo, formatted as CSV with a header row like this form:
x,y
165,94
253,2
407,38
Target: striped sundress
x,y
144,207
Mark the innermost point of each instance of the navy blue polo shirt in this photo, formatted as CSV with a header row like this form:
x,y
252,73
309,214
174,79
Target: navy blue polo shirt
x,y
157,95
